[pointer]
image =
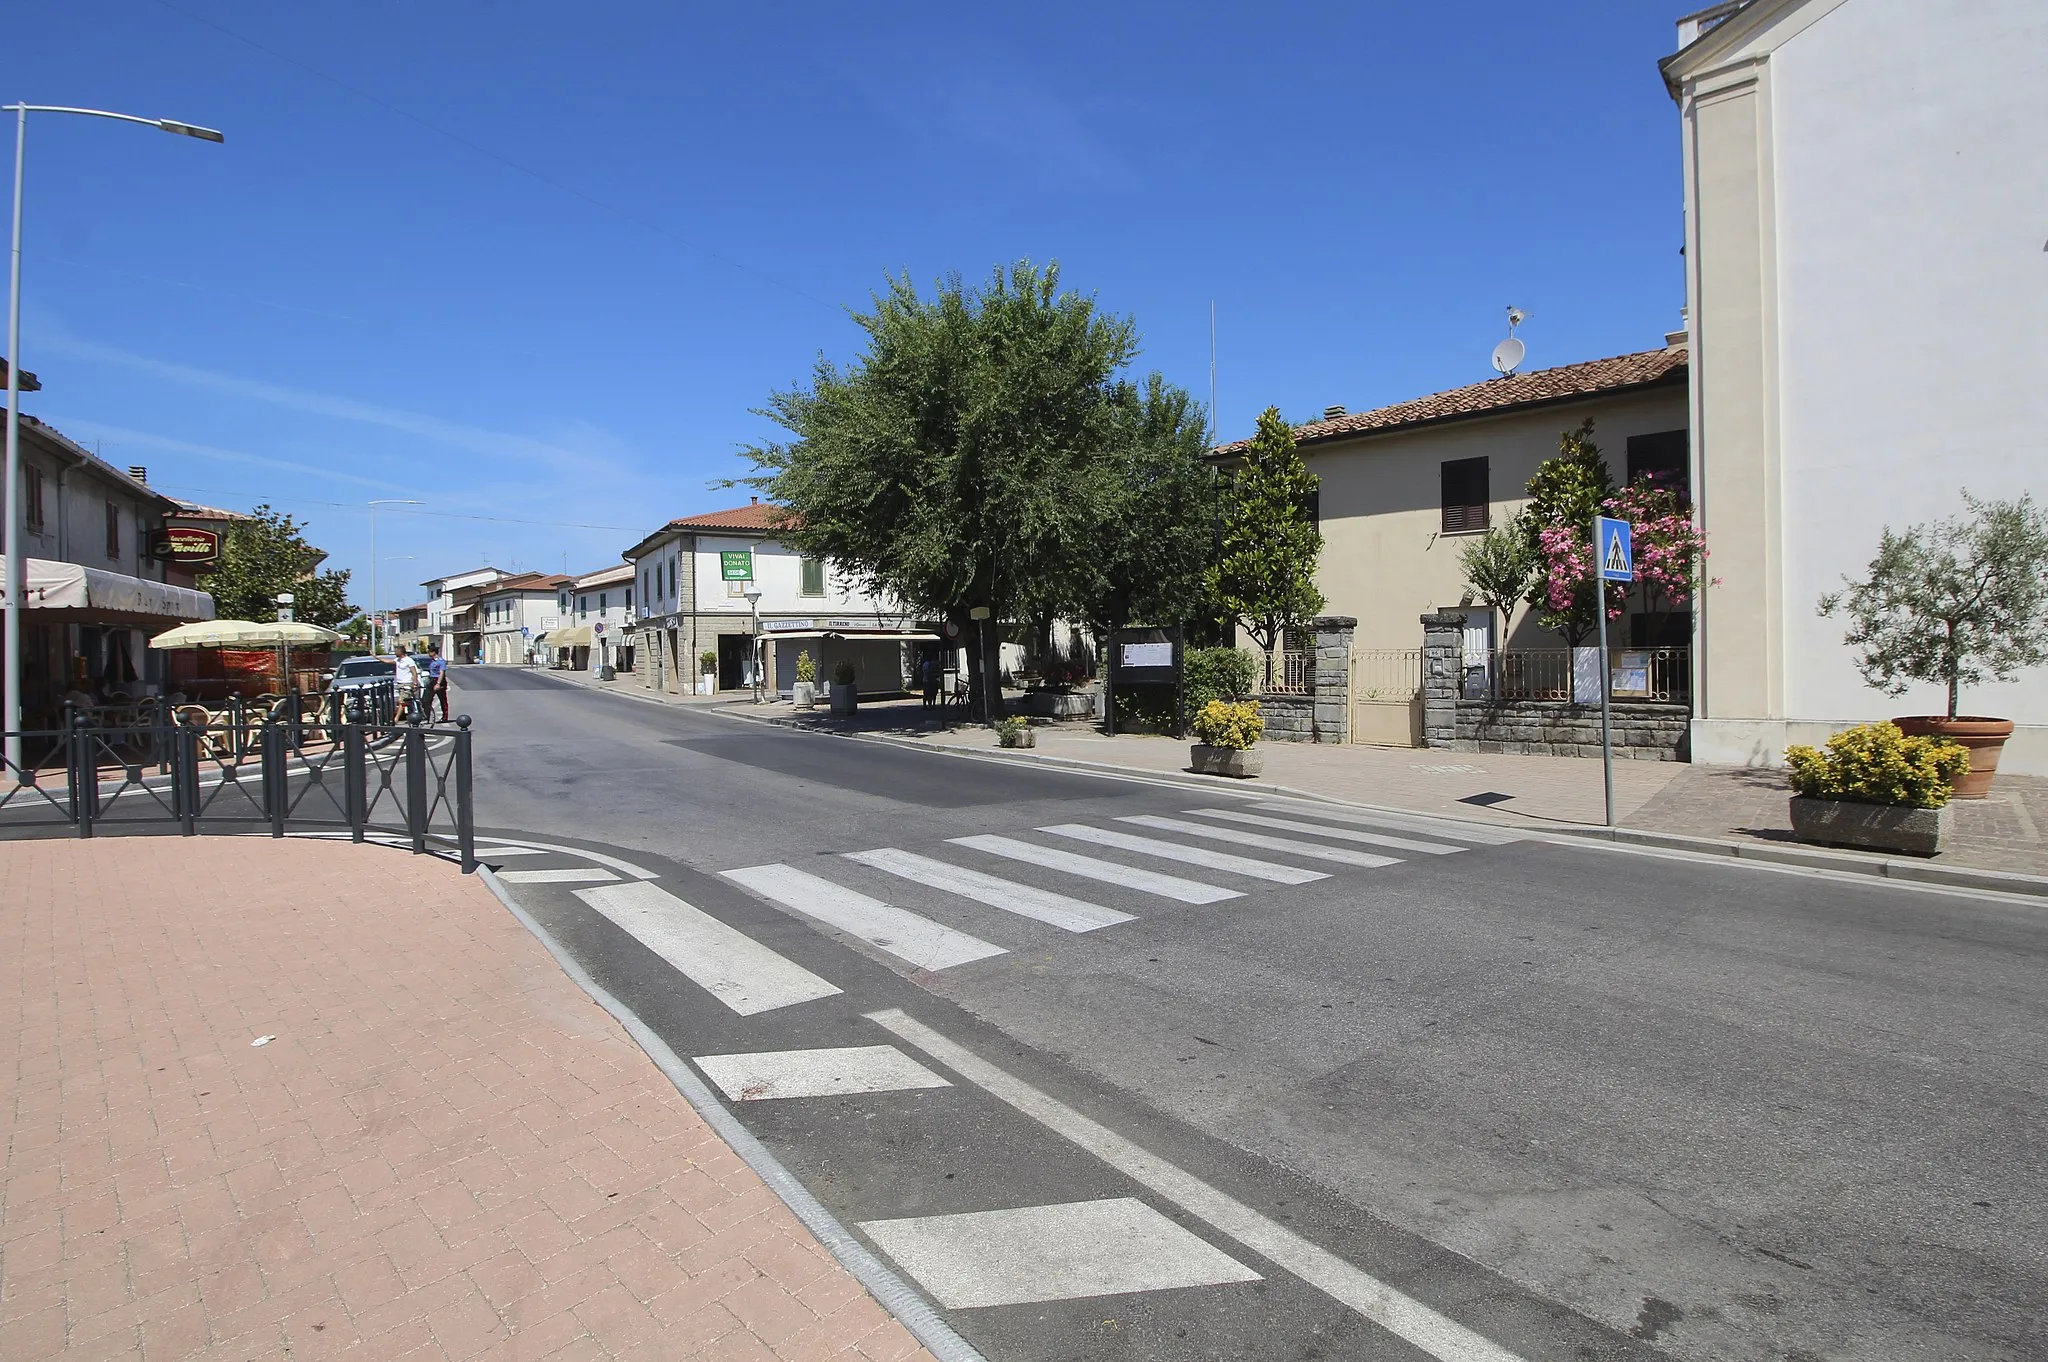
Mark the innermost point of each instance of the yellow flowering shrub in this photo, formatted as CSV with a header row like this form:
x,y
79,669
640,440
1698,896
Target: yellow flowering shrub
x,y
1230,725
1878,764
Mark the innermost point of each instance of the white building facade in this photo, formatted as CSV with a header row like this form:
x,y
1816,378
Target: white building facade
x,y
516,614
453,623
1864,182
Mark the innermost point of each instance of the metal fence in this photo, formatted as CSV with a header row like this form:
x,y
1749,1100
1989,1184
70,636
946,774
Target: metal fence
x,y
1294,673
1386,696
400,783
1637,674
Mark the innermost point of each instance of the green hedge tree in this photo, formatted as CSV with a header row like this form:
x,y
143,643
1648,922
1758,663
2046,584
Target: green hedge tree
x,y
1265,576
265,555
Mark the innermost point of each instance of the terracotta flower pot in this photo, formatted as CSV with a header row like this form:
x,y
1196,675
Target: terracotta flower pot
x,y
1984,737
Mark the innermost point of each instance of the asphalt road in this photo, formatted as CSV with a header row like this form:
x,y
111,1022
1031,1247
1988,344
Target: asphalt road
x,y
1582,1102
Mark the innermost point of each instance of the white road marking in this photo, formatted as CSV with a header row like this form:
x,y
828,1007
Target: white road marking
x,y
1436,1334
1052,1253
1481,834
1312,850
1075,915
1378,839
1130,877
904,934
626,868
591,876
495,852
1174,851
737,970
816,1073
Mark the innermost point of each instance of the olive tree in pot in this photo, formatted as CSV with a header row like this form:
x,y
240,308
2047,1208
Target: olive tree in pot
x,y
805,692
1227,730
1878,788
845,694
1952,603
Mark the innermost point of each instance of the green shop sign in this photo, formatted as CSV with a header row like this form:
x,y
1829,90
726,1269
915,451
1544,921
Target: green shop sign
x,y
736,565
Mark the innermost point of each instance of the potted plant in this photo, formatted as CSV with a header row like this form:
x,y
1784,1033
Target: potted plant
x,y
806,689
1015,731
1876,787
707,668
845,695
1227,729
1952,603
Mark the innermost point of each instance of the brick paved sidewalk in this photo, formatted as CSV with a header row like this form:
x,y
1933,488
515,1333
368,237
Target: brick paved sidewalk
x,y
447,1151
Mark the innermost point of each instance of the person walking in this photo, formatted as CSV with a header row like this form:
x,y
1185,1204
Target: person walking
x,y
407,676
437,683
930,668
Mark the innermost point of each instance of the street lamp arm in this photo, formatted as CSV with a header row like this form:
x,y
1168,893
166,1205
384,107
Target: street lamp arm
x,y
165,124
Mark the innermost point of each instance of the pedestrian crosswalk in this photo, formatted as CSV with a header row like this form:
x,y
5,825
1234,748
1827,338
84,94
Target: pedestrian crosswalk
x,y
977,898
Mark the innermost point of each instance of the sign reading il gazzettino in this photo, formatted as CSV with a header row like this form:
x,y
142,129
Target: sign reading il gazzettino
x,y
736,565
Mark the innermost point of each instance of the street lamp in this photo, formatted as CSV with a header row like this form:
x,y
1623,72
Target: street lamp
x,y
10,629
754,605
375,651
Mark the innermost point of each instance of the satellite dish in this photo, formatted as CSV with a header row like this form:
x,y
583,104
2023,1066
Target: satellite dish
x,y
1508,354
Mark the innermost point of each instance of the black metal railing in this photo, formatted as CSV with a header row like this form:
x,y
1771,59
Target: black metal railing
x,y
404,783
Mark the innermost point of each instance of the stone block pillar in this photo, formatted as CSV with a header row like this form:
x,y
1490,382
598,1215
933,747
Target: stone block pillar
x,y
1443,675
1333,677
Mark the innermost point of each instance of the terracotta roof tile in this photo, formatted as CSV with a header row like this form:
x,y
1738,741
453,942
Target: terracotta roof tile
x,y
528,581
758,516
1534,388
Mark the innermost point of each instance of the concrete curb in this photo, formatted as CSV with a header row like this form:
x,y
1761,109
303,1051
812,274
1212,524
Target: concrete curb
x,y
889,1290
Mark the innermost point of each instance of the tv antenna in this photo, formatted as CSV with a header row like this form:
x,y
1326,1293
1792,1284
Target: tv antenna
x,y
1509,352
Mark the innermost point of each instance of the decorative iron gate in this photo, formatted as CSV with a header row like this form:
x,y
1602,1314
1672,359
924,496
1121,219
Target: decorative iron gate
x,y
1386,696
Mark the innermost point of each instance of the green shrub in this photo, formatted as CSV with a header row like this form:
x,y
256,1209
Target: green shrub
x,y
1217,674
1009,730
1230,725
1878,764
1148,709
707,661
806,669
843,672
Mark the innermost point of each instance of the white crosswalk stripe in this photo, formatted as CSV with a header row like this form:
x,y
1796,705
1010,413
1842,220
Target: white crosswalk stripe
x,y
904,934
1477,834
1109,872
1377,839
585,876
737,970
1057,910
1293,846
1174,851
837,1072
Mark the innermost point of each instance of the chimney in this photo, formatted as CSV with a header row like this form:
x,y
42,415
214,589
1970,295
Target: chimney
x,y
1677,340
1332,413
139,473
753,501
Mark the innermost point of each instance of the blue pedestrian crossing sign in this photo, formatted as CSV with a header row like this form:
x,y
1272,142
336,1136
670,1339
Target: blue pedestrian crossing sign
x,y
1614,541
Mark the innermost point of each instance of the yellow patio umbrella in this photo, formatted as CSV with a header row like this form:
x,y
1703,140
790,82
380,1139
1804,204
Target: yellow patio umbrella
x,y
283,635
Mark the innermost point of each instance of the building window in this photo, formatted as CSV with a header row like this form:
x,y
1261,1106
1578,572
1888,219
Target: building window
x,y
671,577
735,588
1665,456
629,599
811,576
600,602
33,495
582,606
113,531
1465,495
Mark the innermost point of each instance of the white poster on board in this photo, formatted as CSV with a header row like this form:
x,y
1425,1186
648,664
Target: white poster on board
x,y
1148,655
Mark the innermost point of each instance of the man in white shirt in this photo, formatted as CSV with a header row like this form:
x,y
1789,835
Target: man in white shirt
x,y
408,680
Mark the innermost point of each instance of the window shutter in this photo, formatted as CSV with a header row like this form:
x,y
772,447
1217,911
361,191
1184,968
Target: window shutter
x,y
1466,495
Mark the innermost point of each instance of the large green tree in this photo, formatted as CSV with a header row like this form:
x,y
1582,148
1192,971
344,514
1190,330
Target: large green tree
x,y
268,554
979,453
1265,575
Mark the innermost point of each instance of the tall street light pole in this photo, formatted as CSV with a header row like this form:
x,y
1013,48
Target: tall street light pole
x,y
375,620
10,687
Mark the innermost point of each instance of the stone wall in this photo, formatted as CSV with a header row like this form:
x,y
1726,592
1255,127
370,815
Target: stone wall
x,y
1647,731
1288,718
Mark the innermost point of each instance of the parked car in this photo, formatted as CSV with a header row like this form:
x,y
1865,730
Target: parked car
x,y
366,687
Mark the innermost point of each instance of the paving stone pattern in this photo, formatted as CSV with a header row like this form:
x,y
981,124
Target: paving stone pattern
x,y
447,1150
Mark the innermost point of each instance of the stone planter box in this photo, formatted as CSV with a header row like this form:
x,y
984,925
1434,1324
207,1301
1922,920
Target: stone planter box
x,y
805,694
1061,704
845,698
1873,827
1025,739
1222,761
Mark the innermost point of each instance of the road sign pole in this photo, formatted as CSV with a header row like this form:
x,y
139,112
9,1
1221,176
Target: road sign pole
x,y
1606,727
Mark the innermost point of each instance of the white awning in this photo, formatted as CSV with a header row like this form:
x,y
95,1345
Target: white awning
x,y
94,595
856,635
579,637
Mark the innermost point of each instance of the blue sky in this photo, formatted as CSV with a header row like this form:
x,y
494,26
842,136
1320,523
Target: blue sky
x,y
528,269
